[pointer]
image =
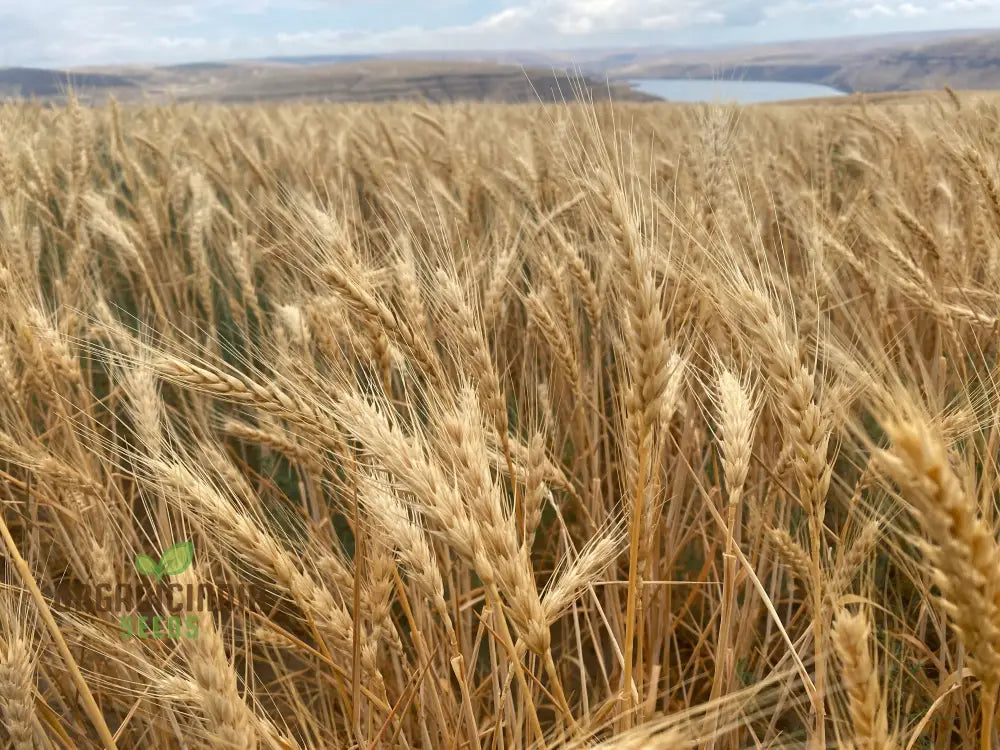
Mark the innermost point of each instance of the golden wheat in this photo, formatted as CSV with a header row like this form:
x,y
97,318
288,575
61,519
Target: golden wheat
x,y
500,426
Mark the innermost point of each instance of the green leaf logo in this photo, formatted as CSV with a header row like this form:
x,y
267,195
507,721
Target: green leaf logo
x,y
145,565
174,561
177,559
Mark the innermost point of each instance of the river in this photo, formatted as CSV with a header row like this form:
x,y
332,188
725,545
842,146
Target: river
x,y
741,92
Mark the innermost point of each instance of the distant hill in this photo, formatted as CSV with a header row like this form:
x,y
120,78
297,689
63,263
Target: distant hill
x,y
896,62
969,63
387,80
42,82
965,60
319,59
356,81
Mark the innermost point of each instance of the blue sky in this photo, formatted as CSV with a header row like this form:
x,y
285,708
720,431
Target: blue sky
x,y
70,32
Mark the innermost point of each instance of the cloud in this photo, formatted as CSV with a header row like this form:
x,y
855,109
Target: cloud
x,y
971,5
745,14
327,38
584,17
901,10
68,32
534,23
909,10
874,10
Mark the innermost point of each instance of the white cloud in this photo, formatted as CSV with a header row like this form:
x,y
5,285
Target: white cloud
x,y
670,21
534,23
971,5
505,20
582,17
69,32
874,10
900,10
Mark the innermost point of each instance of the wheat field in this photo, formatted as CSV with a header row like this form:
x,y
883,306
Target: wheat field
x,y
482,426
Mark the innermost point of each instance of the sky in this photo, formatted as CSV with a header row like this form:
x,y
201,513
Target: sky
x,y
62,33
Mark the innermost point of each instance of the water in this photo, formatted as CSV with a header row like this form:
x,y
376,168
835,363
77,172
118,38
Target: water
x,y
742,92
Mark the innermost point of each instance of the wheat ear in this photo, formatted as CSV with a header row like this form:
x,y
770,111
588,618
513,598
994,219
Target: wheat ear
x,y
961,550
851,636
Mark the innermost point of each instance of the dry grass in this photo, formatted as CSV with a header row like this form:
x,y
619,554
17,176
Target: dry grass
x,y
528,426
